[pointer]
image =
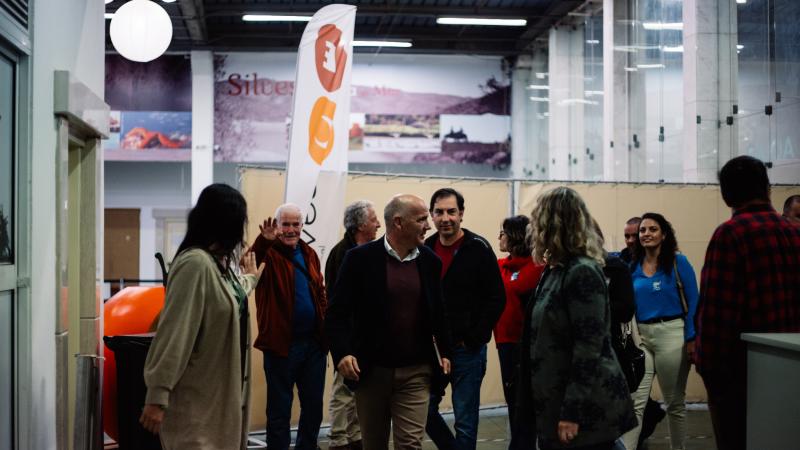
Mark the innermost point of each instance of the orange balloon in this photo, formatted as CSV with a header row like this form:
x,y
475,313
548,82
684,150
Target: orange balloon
x,y
132,310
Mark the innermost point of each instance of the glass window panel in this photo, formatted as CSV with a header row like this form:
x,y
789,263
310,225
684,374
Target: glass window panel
x,y
787,80
754,79
7,98
593,96
6,368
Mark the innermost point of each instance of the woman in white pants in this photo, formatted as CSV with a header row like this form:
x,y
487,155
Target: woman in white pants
x,y
665,313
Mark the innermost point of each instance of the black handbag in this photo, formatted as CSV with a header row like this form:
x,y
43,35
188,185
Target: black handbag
x,y
631,360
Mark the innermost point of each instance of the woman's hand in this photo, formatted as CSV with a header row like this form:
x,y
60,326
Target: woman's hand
x,y
270,229
690,351
152,416
248,265
348,368
567,431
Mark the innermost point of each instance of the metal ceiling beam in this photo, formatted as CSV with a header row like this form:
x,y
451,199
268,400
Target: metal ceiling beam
x,y
417,33
554,12
194,18
227,9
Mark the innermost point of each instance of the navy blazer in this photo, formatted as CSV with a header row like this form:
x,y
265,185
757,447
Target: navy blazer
x,y
358,316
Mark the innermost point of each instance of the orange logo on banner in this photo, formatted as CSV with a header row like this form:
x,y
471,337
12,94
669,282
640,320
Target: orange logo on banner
x,y
330,57
320,129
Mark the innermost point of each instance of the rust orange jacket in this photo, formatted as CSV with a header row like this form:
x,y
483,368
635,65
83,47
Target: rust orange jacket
x,y
275,295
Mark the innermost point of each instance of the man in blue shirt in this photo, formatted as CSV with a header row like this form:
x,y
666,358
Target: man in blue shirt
x,y
291,302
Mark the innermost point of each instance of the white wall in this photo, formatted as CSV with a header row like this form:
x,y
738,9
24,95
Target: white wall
x,y
67,35
147,186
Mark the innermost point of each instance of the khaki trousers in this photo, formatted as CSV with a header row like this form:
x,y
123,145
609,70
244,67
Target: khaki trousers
x,y
342,409
396,398
665,356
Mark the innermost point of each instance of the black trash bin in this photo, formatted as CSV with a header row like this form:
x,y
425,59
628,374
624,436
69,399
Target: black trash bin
x,y
130,353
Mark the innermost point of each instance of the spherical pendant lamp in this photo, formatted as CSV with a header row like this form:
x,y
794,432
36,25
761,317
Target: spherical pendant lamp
x,y
141,30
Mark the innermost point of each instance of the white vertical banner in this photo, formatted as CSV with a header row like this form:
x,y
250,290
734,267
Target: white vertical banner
x,y
317,167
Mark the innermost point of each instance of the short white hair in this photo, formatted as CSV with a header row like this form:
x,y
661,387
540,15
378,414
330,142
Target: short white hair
x,y
287,207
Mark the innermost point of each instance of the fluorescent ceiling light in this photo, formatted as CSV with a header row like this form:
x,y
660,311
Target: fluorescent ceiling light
x,y
739,47
539,86
650,66
540,99
741,2
593,41
274,18
109,16
631,69
675,49
397,44
591,93
481,21
541,75
662,25
575,101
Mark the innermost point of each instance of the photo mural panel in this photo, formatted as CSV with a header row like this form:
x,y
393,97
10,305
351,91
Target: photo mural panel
x,y
151,109
405,108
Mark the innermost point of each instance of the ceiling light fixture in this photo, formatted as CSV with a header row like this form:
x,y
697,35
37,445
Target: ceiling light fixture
x,y
593,41
673,49
539,86
650,66
274,18
141,30
396,44
662,26
481,21
741,2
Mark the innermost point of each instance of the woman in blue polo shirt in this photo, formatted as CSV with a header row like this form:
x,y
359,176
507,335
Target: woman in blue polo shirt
x,y
666,322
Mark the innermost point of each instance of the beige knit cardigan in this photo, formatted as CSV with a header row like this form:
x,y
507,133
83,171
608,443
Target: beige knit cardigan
x,y
193,368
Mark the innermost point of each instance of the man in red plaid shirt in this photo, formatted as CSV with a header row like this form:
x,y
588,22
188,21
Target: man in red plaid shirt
x,y
750,284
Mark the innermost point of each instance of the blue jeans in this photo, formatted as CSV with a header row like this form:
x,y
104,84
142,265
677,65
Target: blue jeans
x,y
468,369
304,367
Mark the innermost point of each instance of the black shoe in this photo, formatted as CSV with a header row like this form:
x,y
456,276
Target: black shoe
x,y
653,414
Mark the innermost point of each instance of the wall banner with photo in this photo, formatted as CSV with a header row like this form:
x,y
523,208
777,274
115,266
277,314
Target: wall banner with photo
x,y
151,109
405,108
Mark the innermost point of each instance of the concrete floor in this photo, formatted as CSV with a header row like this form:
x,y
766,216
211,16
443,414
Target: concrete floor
x,y
492,432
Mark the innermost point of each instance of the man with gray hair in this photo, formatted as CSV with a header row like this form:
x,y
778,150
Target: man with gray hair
x,y
361,226
290,304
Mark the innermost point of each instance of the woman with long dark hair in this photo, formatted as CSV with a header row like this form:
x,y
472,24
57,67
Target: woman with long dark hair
x,y
579,395
197,366
520,275
665,290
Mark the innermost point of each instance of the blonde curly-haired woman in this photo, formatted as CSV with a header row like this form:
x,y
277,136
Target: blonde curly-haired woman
x,y
579,395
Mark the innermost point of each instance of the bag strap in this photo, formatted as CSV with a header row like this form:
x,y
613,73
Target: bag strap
x,y
681,292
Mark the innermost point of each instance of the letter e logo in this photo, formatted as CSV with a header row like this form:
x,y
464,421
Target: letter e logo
x,y
320,129
331,57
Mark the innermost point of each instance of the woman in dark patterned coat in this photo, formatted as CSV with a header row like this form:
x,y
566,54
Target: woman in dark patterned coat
x,y
578,393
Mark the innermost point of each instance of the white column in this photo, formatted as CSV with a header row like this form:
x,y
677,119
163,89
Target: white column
x,y
202,121
566,130
519,116
709,84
